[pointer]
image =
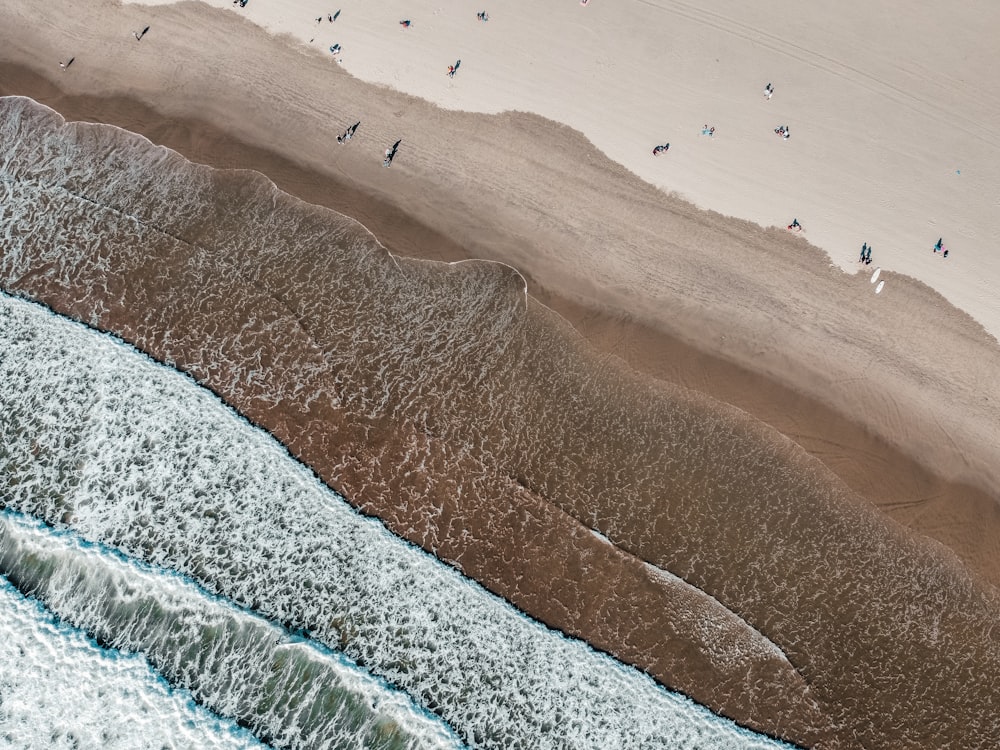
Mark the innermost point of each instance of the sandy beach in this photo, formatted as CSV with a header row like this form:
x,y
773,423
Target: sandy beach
x,y
891,112
894,394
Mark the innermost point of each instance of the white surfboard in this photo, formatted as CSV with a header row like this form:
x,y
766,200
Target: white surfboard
x,y
879,287
875,275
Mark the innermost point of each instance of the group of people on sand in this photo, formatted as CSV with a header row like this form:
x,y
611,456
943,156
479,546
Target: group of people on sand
x,y
708,130
390,153
866,254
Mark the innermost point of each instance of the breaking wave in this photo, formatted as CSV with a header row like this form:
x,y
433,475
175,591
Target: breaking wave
x,y
59,689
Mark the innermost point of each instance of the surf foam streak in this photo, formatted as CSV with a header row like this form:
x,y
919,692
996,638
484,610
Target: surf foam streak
x,y
135,455
59,689
238,665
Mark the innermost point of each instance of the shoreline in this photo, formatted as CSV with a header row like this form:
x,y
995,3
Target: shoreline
x,y
961,516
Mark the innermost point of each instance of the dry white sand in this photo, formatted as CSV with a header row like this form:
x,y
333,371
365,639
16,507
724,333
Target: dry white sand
x,y
893,108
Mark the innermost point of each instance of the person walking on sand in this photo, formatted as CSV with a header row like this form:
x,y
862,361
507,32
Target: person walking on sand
x,y
390,153
349,133
768,91
66,64
482,16
939,244
406,23
453,69
140,34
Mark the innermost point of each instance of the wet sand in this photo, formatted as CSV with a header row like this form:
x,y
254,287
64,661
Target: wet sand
x,y
946,494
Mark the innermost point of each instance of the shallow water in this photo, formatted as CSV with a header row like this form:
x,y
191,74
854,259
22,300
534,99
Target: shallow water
x,y
475,424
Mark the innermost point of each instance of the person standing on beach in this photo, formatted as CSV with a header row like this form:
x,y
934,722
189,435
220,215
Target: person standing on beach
x,y
864,252
140,34
769,91
939,244
66,64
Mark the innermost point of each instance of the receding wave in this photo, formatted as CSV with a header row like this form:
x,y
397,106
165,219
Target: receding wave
x,y
59,689
240,666
135,455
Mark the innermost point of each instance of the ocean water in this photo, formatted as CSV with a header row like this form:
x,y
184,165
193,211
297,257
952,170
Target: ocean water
x,y
279,685
59,689
131,454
